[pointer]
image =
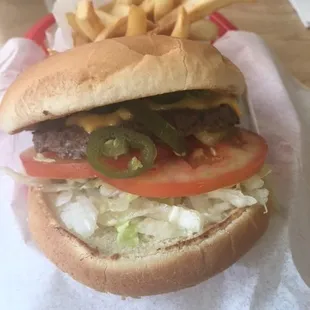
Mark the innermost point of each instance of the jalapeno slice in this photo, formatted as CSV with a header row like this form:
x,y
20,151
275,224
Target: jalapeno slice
x,y
157,125
115,141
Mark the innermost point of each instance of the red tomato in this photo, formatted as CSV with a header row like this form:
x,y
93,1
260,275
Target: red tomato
x,y
172,176
73,169
60,169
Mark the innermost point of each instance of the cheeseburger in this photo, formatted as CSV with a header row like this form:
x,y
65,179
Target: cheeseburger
x,y
141,180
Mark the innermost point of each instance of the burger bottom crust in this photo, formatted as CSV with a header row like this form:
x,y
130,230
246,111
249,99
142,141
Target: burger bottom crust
x,y
168,268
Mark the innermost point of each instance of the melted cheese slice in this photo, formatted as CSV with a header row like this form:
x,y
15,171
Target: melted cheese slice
x,y
90,121
198,104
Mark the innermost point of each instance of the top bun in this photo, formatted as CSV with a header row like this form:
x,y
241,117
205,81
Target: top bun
x,y
111,71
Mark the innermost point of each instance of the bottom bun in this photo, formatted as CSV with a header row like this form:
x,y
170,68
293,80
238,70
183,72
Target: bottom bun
x,y
169,268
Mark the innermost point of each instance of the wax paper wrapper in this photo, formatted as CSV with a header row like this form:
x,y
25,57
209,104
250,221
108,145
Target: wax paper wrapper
x,y
265,278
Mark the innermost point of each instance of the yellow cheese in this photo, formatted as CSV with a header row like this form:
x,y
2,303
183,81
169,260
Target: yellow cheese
x,y
198,104
234,105
91,121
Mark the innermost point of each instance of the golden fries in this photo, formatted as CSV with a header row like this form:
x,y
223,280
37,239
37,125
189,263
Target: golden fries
x,y
87,19
77,34
51,52
120,10
181,28
137,2
106,18
106,7
72,22
197,9
166,24
137,22
115,30
162,7
148,6
79,39
203,30
200,8
150,25
128,2
178,18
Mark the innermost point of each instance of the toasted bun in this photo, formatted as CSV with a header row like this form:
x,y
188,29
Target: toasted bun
x,y
112,71
166,269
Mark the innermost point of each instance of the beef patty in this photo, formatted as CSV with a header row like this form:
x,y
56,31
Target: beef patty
x,y
71,142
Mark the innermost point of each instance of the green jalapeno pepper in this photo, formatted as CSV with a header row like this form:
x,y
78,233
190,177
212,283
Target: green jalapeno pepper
x,y
102,144
157,125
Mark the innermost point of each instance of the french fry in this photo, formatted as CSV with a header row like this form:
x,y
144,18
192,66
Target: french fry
x,y
51,52
198,9
117,29
148,6
120,10
79,39
181,28
87,20
166,24
128,2
150,25
178,18
106,18
107,7
72,22
203,30
137,22
74,26
162,7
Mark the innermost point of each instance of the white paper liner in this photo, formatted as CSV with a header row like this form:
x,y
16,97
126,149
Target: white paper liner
x,y
265,278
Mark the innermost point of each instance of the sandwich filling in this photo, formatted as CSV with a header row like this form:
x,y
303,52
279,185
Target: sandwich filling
x,y
96,212
150,169
189,112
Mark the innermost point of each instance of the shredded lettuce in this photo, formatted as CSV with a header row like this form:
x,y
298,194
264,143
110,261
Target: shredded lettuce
x,y
186,219
265,171
234,197
127,234
108,191
24,179
160,230
254,182
87,206
63,198
121,203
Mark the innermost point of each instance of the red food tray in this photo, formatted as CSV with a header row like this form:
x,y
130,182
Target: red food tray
x,y
37,32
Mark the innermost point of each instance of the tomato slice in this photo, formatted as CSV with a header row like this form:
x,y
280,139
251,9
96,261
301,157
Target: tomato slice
x,y
175,177
59,169
172,176
73,169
